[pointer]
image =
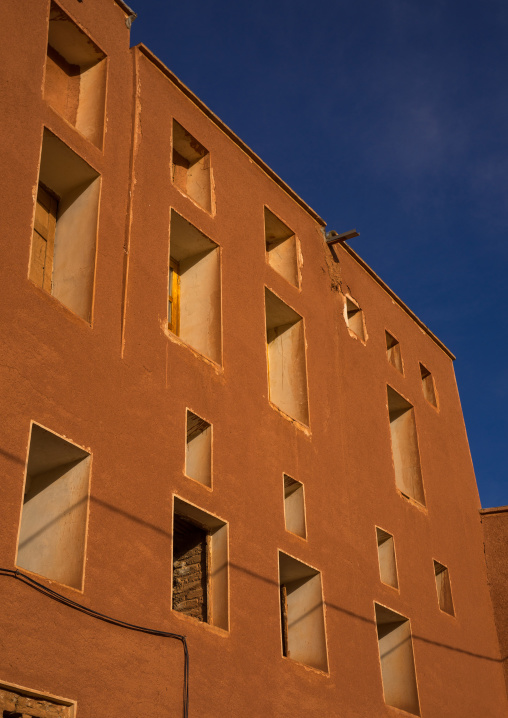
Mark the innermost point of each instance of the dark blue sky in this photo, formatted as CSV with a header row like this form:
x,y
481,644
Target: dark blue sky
x,y
390,116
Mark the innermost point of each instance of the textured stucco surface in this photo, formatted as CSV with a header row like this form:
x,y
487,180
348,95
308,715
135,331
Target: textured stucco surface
x,y
120,387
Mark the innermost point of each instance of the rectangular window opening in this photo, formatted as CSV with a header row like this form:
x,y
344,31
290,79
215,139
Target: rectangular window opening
x,y
200,565
444,589
75,79
287,371
294,507
302,615
194,291
386,557
397,660
62,260
393,352
53,520
355,319
191,167
429,390
282,248
198,455
406,456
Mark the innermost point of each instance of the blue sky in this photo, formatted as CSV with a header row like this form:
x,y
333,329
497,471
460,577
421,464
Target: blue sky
x,y
387,116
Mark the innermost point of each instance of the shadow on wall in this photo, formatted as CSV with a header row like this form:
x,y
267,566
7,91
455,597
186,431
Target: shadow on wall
x,y
265,579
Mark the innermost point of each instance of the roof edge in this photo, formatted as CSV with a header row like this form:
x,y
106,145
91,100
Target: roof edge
x,y
397,299
227,131
127,10
494,510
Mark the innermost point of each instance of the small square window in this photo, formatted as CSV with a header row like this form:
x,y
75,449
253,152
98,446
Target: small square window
x,y
282,248
191,167
294,507
198,455
429,390
354,319
393,353
444,589
386,558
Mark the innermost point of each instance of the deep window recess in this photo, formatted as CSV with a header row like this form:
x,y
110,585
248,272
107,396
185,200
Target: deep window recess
x,y
194,306
354,319
294,507
62,260
75,80
15,704
53,521
397,660
444,589
406,456
393,353
198,455
429,390
287,371
301,610
386,557
191,167
282,250
200,565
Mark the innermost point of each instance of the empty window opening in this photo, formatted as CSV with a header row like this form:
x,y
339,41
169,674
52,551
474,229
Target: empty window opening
x,y
282,250
393,352
386,556
191,167
397,660
75,80
354,319
302,615
406,456
294,507
62,260
429,390
444,589
198,456
194,308
53,520
15,704
200,565
287,372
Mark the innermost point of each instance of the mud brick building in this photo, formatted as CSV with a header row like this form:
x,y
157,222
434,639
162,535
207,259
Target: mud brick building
x,y
216,423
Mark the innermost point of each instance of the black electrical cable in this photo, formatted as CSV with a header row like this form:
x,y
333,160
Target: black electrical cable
x,y
107,619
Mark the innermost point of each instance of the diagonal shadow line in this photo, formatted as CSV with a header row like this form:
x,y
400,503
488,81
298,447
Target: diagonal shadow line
x,y
131,517
12,457
272,582
371,621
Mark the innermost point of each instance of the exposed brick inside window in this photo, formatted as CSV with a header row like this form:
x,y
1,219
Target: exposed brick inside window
x,y
15,705
189,569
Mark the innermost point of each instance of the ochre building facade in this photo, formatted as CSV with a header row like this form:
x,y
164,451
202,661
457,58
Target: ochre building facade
x,y
235,473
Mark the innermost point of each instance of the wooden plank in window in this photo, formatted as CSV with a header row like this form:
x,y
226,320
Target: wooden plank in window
x,y
174,297
43,239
